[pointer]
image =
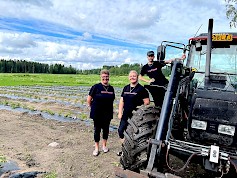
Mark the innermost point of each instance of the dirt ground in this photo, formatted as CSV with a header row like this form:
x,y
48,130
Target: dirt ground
x,y
26,140
60,148
63,149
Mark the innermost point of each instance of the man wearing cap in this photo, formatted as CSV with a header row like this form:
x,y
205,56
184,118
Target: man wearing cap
x,y
153,70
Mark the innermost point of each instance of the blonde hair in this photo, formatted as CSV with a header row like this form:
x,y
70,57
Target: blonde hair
x,y
104,71
133,71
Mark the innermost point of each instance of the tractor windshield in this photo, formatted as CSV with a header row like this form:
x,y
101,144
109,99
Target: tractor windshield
x,y
223,61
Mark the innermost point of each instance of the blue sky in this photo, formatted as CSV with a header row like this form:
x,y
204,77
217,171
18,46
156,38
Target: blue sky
x,y
90,33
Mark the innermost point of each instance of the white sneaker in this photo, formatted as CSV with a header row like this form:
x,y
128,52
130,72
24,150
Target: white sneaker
x,y
96,152
105,149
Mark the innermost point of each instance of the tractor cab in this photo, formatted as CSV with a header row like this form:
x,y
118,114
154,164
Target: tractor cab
x,y
221,73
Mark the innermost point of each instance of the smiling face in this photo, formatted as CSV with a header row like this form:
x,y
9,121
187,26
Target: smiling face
x,y
133,77
104,77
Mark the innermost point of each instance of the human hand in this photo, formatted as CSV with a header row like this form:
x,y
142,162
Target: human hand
x,y
119,115
169,61
183,56
151,80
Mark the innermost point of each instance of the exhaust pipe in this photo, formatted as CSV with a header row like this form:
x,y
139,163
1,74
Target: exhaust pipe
x,y
208,54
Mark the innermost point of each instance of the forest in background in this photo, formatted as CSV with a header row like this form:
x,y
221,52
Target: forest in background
x,y
23,66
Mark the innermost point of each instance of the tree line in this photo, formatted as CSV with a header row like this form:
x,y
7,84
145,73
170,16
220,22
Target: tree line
x,y
114,70
124,69
23,66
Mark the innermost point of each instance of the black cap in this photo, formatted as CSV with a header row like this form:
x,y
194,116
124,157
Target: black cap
x,y
150,53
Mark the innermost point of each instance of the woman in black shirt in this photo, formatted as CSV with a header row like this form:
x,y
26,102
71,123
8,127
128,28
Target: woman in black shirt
x,y
133,95
100,99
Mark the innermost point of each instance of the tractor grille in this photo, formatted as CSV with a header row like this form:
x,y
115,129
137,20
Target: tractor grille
x,y
215,109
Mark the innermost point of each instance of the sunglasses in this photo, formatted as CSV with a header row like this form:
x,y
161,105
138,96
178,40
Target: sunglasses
x,y
150,55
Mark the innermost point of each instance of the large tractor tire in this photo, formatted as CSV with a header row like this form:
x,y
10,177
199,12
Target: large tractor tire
x,y
141,127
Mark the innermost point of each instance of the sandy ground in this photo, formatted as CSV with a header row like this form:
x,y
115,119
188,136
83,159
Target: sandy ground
x,y
25,139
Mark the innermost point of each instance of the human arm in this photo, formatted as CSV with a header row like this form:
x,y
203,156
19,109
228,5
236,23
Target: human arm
x,y
113,94
143,73
145,96
91,95
120,109
89,100
146,80
171,60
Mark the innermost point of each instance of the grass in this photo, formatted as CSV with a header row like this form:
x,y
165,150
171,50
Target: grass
x,y
49,112
2,159
16,79
50,175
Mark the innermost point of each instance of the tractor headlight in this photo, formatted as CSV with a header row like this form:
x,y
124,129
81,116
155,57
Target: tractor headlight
x,y
196,124
226,129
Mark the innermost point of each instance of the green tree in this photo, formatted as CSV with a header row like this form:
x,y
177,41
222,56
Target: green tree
x,y
231,12
23,66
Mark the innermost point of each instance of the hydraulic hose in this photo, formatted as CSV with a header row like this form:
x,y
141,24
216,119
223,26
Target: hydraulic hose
x,y
185,165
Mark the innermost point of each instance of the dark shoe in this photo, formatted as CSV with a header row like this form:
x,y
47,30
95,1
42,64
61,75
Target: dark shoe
x,y
119,153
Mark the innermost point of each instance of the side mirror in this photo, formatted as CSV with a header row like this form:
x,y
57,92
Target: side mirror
x,y
198,46
161,53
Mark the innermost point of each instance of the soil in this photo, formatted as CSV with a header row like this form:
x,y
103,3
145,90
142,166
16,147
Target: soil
x,y
61,149
26,140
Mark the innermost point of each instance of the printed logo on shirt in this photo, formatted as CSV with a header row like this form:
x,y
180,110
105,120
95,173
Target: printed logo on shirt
x,y
107,92
129,93
152,70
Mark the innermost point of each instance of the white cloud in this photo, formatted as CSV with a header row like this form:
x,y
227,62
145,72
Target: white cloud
x,y
91,33
16,40
72,54
127,60
87,36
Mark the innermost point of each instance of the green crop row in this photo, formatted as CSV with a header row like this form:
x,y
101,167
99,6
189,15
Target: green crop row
x,y
13,79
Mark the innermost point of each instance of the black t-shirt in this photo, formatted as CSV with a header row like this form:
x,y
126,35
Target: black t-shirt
x,y
133,97
102,103
154,71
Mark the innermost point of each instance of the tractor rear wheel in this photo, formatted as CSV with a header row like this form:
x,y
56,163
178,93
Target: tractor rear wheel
x,y
141,127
